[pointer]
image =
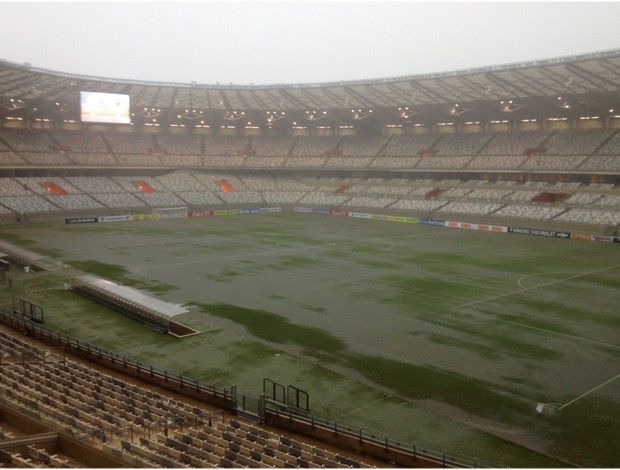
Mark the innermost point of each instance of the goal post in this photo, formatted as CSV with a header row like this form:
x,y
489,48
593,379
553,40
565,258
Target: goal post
x,y
170,212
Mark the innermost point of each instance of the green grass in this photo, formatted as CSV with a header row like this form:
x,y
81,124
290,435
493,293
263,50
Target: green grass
x,y
467,331
277,329
426,382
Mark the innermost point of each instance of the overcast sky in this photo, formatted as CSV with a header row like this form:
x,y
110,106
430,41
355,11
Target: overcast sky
x,y
287,42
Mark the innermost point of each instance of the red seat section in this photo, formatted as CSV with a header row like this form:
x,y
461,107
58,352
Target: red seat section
x,y
53,188
225,186
434,194
144,187
548,198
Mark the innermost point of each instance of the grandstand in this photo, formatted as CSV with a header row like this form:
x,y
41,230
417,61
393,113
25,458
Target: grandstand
x,y
536,165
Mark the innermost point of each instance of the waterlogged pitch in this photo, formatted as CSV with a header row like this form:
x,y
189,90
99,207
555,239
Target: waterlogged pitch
x,y
444,337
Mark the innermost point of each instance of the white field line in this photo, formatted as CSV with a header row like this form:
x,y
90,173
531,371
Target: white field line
x,y
280,247
372,403
209,259
522,325
557,281
532,275
588,392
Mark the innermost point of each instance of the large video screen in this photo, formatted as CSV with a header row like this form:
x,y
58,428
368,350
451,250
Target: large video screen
x,y
104,107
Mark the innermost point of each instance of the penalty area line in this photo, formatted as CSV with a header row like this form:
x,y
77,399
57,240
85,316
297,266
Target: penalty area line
x,y
523,325
588,392
557,407
557,281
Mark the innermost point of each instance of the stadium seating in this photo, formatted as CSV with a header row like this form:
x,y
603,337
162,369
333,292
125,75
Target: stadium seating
x,y
347,162
93,159
576,142
275,146
306,162
224,145
26,141
313,146
126,143
80,142
243,197
496,162
180,144
264,162
118,200
462,144
11,187
370,201
590,216
180,161
443,162
363,146
553,163
528,211
603,163
513,143
469,207
556,152
46,158
137,159
409,145
418,205
150,429
395,163
180,181
28,204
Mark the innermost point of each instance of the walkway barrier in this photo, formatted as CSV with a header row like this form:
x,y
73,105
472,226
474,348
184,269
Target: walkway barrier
x,y
260,409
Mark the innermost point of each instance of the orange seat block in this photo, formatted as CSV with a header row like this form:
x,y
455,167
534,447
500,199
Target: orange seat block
x,y
225,186
144,187
54,189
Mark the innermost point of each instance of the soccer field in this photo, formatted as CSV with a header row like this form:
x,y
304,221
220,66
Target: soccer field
x,y
445,337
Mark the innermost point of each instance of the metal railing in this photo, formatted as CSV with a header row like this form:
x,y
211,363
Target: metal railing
x,y
260,408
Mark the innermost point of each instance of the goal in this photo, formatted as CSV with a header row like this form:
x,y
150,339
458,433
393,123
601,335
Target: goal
x,y
170,212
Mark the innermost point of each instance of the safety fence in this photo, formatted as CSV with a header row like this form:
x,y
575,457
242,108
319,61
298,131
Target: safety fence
x,y
262,409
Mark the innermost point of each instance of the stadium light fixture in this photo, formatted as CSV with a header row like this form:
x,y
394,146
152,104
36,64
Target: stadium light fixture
x,y
14,104
234,115
563,103
509,106
359,114
191,114
273,116
150,113
62,107
315,115
457,110
406,112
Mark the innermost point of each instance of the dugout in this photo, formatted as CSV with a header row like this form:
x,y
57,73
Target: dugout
x,y
154,313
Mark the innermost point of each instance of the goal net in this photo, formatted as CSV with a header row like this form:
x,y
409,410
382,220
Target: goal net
x,y
170,212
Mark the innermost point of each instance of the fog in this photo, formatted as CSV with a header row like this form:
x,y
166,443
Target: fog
x,y
252,42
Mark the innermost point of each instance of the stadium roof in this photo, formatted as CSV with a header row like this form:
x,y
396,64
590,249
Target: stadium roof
x,y
572,87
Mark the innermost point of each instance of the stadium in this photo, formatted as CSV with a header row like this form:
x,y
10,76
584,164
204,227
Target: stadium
x,y
416,271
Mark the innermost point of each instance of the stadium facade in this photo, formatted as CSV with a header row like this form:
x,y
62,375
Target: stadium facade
x,y
529,148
